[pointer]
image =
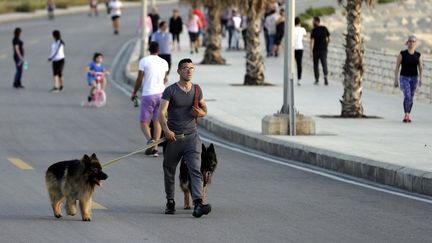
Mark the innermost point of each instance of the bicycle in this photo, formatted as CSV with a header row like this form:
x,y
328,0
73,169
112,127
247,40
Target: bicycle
x,y
98,98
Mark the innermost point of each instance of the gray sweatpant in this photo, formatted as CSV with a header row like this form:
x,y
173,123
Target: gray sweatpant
x,y
188,148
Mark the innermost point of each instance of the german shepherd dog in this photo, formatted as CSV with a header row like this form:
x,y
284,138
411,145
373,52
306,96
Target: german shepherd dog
x,y
74,180
208,167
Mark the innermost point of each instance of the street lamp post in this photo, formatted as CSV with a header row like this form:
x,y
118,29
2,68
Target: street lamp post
x,y
288,105
144,36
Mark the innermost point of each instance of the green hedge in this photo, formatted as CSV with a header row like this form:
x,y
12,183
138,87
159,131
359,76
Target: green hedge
x,y
312,12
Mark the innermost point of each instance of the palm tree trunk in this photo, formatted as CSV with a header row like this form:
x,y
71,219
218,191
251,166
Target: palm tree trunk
x,y
353,68
212,53
254,59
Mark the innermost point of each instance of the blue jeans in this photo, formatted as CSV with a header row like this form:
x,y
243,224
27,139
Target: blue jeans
x,y
18,73
408,85
271,38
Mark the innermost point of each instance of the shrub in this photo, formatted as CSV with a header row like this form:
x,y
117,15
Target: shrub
x,y
25,7
385,1
312,12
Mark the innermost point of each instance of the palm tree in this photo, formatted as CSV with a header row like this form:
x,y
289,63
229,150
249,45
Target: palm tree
x,y
353,68
254,10
212,54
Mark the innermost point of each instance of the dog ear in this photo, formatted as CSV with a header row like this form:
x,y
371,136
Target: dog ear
x,y
93,156
211,148
203,147
86,160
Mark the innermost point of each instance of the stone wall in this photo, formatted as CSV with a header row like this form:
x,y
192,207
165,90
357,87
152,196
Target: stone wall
x,y
379,70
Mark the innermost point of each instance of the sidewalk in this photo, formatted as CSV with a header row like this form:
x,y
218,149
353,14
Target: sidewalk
x,y
383,150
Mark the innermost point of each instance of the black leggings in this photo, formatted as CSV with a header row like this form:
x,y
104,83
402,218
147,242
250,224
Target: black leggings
x,y
298,54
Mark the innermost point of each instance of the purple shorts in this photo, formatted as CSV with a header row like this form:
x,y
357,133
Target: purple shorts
x,y
149,107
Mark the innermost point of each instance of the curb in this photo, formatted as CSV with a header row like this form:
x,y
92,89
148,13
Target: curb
x,y
408,179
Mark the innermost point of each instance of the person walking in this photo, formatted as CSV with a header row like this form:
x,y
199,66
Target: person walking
x,y
164,39
270,25
230,27
50,9
57,58
320,38
154,19
176,28
410,64
18,56
299,33
183,103
280,29
116,7
154,71
93,8
193,29
235,41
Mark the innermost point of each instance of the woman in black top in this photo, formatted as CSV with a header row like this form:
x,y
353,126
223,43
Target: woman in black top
x,y
175,28
18,49
412,67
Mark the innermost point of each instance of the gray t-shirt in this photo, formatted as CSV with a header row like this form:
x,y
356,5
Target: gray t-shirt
x,y
181,119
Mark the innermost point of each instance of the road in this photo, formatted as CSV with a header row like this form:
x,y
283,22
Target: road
x,y
253,199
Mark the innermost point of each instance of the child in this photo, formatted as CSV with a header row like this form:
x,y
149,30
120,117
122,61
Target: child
x,y
92,70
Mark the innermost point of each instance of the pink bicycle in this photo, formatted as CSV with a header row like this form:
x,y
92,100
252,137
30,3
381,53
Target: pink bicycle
x,y
98,97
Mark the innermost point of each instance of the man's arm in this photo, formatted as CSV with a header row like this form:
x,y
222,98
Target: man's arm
x,y
166,77
20,56
138,83
162,114
200,111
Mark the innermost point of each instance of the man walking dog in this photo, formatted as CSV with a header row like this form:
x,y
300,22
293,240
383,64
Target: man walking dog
x,y
184,103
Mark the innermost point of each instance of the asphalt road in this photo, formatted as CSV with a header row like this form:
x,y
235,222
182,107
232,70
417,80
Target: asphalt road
x,y
253,200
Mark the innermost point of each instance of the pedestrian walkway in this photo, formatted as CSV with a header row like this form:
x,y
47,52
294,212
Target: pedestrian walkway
x,y
384,140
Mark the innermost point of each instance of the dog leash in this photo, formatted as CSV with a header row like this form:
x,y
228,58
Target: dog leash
x,y
147,146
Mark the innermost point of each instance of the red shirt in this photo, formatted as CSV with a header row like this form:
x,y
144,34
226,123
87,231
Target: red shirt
x,y
198,13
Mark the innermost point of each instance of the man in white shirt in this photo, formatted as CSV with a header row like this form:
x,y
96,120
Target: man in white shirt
x,y
299,33
116,7
154,71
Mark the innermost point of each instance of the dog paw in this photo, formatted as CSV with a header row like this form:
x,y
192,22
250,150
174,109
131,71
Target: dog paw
x,y
72,214
86,219
57,215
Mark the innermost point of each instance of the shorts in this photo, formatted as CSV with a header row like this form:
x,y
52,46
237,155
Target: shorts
x,y
193,36
115,17
176,37
57,67
150,107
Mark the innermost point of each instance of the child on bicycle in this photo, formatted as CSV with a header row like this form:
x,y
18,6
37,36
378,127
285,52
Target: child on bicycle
x,y
94,69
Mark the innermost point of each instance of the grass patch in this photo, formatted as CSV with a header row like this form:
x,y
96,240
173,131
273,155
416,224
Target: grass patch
x,y
385,1
312,12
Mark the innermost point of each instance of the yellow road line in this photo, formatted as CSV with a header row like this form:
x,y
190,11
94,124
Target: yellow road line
x,y
96,205
20,164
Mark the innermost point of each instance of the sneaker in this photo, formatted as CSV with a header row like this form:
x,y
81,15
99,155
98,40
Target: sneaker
x,y
53,90
154,153
61,88
298,83
170,207
201,209
150,151
316,82
325,81
406,119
